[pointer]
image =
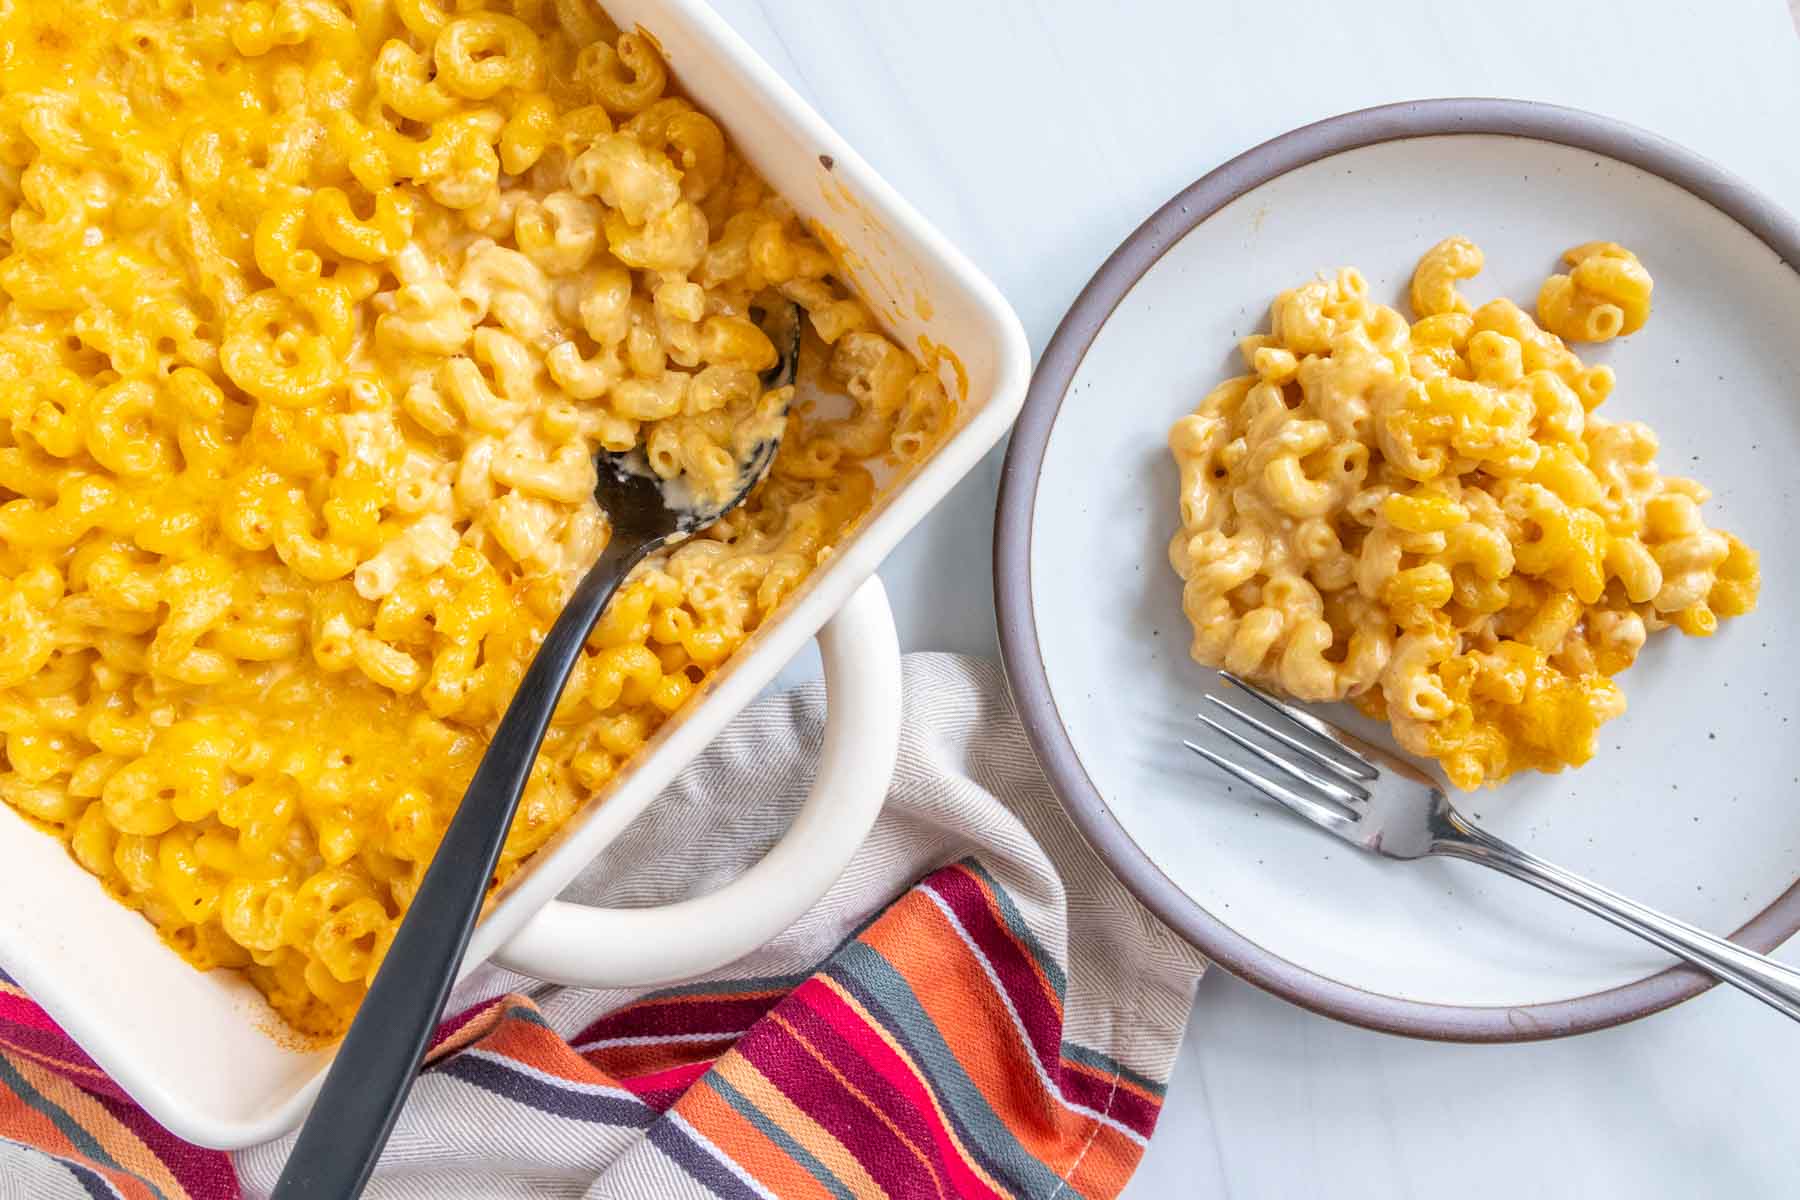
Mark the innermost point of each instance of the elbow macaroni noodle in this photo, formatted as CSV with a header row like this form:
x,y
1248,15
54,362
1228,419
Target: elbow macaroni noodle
x,y
1606,294
312,318
1430,519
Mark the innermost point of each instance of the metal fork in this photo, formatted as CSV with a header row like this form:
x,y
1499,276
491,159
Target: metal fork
x,y
1378,802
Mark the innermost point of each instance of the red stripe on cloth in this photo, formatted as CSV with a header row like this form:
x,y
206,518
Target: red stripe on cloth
x,y
903,1077
842,1047
844,1076
18,1008
1113,1097
688,1014
206,1174
1023,983
631,1062
1126,1082
54,1051
27,1029
661,1090
28,1032
901,1167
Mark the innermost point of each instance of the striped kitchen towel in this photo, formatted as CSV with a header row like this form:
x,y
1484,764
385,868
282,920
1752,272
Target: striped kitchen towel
x,y
976,1009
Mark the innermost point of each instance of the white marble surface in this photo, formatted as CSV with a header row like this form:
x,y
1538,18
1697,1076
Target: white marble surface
x,y
1037,134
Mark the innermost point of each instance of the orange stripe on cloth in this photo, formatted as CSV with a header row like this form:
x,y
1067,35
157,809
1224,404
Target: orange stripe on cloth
x,y
139,1174
749,1147
774,1105
921,1155
69,1068
1105,1163
634,1062
471,1027
21,1121
979,1030
923,1084
523,1037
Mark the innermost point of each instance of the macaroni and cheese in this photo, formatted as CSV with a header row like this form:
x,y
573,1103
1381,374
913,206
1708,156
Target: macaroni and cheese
x,y
1431,519
313,316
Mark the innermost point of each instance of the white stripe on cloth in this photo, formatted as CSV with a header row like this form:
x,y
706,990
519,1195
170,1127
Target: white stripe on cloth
x,y
723,1159
966,783
661,1039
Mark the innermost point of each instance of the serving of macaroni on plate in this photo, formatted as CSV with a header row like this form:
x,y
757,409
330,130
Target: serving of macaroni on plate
x,y
313,317
1431,519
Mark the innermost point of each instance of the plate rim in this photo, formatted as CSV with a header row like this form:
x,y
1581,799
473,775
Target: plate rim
x,y
1021,653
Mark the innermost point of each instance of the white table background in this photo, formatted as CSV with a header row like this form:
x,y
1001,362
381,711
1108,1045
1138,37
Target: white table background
x,y
1037,134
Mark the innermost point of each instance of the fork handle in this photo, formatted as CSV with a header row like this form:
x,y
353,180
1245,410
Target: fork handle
x,y
1776,985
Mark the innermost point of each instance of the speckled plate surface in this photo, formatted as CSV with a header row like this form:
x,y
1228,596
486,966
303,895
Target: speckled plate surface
x,y
1691,805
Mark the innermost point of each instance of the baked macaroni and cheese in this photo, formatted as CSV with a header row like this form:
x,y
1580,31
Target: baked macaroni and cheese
x,y
313,314
1430,519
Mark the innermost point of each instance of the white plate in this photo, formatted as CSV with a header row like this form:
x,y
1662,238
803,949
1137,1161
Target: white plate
x,y
1691,803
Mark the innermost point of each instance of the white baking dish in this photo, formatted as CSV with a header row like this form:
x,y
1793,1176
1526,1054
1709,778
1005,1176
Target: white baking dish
x,y
203,1053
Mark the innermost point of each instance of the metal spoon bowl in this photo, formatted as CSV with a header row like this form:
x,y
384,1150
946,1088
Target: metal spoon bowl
x,y
374,1068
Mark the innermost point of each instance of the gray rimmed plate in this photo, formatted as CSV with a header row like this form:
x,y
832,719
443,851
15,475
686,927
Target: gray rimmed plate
x,y
1693,804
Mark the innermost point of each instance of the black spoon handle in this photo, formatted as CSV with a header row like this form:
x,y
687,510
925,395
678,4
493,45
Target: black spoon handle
x,y
375,1064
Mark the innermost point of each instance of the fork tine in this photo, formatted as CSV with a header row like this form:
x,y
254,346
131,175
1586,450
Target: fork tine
x,y
1363,769
1312,810
1336,791
1345,768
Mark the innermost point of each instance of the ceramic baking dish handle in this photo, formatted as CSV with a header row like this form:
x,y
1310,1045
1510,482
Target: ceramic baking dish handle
x,y
644,947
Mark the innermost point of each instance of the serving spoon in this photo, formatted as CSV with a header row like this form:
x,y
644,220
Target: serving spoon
x,y
375,1064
